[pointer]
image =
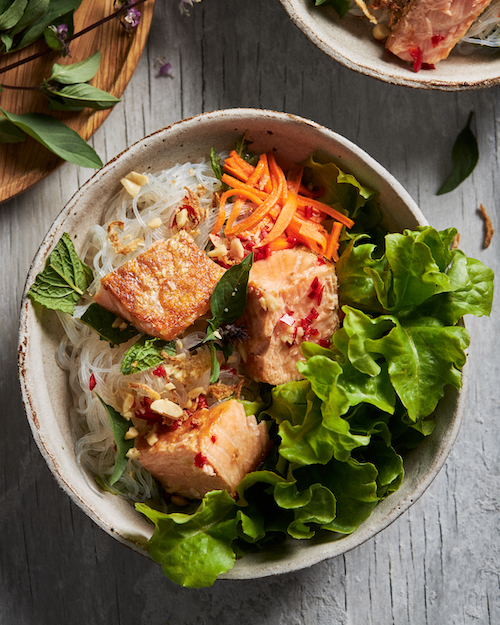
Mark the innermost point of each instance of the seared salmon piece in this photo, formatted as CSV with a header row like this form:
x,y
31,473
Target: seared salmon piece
x,y
163,290
212,450
429,29
292,297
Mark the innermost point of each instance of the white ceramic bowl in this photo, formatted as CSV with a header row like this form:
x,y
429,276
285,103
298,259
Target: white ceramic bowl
x,y
350,42
44,386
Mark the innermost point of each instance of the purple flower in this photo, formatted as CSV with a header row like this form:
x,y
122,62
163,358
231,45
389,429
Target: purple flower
x,y
165,70
133,17
61,33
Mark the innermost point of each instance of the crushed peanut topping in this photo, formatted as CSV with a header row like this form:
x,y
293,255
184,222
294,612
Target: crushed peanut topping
x,y
117,244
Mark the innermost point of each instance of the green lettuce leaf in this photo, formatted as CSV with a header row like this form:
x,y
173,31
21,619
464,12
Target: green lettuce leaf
x,y
193,549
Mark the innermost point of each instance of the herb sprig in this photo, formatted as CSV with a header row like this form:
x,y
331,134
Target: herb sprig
x,y
227,304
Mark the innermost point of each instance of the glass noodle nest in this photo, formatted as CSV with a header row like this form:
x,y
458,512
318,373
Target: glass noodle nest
x,y
147,217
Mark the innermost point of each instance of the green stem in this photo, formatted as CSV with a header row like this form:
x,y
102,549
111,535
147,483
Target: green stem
x,y
123,9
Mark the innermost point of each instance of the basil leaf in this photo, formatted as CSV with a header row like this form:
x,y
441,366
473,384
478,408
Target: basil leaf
x,y
108,325
229,298
341,6
13,14
465,155
6,40
9,133
57,9
34,10
119,427
214,364
63,281
215,161
76,72
146,353
75,97
56,137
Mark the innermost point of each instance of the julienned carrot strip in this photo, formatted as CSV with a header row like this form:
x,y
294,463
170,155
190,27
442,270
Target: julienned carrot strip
x,y
262,210
235,170
236,210
332,243
328,210
260,169
281,243
241,162
249,194
238,184
289,207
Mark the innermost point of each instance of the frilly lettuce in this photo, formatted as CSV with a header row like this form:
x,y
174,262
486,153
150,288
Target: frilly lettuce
x,y
363,401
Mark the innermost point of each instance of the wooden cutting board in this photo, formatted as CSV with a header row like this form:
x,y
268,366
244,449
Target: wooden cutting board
x,y
24,164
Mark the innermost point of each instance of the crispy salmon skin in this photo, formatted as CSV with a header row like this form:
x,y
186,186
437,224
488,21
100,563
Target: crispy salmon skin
x,y
163,290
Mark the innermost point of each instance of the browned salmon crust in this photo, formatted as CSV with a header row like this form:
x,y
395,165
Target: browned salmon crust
x,y
163,290
292,297
212,450
430,29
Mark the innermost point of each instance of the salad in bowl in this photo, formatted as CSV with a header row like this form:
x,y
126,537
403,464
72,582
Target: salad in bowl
x,y
251,346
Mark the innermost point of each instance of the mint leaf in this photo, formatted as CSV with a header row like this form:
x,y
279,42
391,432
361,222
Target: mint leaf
x,y
145,354
56,137
193,549
64,280
215,161
108,325
119,427
464,156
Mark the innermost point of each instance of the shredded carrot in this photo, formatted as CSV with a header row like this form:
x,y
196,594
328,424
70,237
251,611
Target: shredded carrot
x,y
235,170
328,210
289,207
237,184
281,243
249,194
264,208
237,208
283,207
241,162
260,169
332,244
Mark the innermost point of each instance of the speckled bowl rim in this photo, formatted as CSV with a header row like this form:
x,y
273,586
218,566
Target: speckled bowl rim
x,y
44,386
349,42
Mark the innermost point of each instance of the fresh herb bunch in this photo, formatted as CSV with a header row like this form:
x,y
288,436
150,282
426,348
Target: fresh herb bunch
x,y
67,88
23,22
